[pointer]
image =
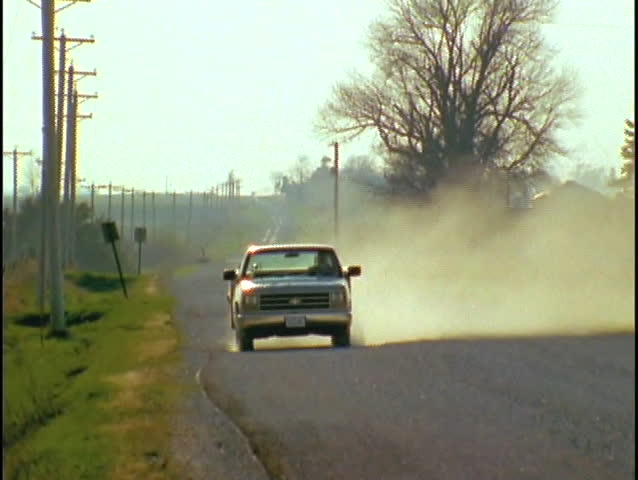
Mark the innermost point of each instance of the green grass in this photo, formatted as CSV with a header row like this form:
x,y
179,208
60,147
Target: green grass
x,y
97,403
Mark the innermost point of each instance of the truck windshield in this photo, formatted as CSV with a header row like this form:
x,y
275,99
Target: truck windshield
x,y
293,262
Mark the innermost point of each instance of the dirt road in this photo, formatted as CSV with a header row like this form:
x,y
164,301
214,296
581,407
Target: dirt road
x,y
544,408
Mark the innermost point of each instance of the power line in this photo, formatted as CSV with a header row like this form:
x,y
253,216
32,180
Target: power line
x,y
13,26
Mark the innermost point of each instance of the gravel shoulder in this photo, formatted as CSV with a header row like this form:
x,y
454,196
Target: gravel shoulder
x,y
205,441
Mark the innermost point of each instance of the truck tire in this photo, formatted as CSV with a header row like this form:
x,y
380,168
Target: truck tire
x,y
341,338
244,340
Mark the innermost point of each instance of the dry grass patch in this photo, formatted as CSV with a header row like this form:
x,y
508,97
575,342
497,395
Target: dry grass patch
x,y
132,378
126,399
151,286
137,469
158,320
157,349
128,426
129,383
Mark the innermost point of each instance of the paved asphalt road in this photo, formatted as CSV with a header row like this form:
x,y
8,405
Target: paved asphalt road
x,y
551,408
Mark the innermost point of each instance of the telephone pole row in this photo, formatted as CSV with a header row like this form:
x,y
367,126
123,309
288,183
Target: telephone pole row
x,y
51,152
15,154
70,170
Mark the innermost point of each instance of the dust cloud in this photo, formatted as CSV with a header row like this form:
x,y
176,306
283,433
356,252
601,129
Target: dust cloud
x,y
462,265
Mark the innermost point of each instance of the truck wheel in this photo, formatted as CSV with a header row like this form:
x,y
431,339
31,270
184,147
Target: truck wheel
x,y
244,340
342,338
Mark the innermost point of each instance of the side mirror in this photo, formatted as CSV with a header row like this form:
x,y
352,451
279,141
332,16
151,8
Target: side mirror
x,y
354,270
230,274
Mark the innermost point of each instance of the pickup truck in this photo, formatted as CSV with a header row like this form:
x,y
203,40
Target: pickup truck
x,y
290,290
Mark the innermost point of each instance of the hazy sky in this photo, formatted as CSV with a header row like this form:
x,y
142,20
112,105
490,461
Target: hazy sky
x,y
192,90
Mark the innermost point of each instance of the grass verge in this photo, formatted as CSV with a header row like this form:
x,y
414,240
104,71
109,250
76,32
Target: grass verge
x,y
98,403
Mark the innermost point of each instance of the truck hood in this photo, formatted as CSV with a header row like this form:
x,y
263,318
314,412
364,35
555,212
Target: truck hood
x,y
289,282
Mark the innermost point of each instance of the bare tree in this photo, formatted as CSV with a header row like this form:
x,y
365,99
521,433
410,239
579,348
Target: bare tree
x,y
300,171
33,177
277,179
459,86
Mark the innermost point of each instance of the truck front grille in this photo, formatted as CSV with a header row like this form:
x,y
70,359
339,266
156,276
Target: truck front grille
x,y
294,301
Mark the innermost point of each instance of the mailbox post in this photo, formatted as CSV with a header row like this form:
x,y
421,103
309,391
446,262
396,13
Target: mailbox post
x,y
140,237
109,231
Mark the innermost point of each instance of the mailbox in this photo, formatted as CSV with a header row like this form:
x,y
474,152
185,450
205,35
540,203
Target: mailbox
x,y
140,234
109,231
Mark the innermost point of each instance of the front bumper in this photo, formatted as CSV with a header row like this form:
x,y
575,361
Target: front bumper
x,y
265,324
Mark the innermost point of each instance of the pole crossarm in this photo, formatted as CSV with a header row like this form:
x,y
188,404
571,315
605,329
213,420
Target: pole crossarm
x,y
63,39
81,74
81,117
91,39
83,95
18,153
83,98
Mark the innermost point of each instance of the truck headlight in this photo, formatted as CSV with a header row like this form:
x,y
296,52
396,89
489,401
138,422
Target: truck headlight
x,y
338,299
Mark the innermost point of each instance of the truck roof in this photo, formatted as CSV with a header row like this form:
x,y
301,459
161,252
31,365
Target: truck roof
x,y
289,246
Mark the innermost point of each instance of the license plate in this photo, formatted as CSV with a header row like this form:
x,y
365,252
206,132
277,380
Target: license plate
x,y
295,321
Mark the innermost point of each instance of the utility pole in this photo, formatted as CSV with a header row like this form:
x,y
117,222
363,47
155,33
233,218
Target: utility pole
x,y
63,39
72,117
50,174
144,208
153,214
108,207
231,185
175,214
92,202
190,215
14,220
336,199
49,151
72,161
122,212
132,210
60,112
59,127
70,141
204,211
43,251
69,147
212,199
